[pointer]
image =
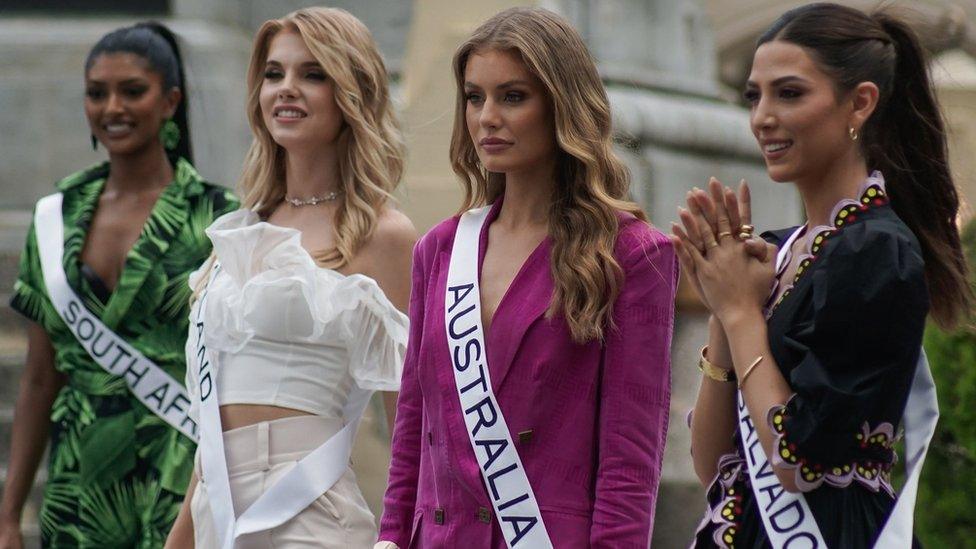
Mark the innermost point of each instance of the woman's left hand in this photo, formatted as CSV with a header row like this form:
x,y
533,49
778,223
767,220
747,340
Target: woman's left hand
x,y
735,276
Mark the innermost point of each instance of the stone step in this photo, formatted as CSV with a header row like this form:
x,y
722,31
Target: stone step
x,y
9,267
12,323
6,429
13,232
31,534
11,366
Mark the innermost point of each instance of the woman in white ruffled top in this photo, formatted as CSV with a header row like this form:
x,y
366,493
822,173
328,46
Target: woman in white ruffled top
x,y
301,310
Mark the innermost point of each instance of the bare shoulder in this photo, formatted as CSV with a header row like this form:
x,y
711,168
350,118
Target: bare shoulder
x,y
394,234
387,256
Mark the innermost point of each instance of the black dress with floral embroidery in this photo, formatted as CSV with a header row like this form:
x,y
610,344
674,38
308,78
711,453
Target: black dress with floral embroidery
x,y
846,336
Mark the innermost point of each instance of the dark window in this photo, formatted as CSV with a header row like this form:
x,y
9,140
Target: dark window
x,y
85,7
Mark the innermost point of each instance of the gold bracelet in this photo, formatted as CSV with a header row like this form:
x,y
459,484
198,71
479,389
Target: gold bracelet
x,y
749,370
712,371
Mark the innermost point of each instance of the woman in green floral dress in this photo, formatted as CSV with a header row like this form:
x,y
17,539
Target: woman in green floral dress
x,y
133,231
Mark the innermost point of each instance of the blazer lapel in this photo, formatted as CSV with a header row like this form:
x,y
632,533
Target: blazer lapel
x,y
527,299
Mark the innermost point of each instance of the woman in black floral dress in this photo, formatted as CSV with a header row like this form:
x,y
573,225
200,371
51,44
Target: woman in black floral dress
x,y
842,106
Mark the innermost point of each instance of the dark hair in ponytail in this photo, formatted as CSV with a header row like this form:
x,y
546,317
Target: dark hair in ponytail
x,y
155,43
904,137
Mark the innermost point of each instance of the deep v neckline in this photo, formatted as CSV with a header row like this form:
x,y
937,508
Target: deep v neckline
x,y
165,221
529,260
86,222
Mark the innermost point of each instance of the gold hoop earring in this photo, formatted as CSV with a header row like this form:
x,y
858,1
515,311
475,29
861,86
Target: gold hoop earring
x,y
853,133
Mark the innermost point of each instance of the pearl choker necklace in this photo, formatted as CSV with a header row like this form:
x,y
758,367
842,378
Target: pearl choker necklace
x,y
312,200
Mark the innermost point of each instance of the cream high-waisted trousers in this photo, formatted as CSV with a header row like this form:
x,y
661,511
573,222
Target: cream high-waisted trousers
x,y
257,456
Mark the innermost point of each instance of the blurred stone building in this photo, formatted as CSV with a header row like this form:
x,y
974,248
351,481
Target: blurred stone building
x,y
673,68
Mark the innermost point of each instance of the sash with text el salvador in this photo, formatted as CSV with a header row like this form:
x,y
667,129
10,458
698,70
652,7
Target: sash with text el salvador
x,y
787,518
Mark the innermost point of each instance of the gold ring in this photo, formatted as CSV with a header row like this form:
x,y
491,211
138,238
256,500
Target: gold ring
x,y
723,233
745,232
710,245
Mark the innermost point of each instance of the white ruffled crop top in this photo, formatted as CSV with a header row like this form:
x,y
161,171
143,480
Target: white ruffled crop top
x,y
286,332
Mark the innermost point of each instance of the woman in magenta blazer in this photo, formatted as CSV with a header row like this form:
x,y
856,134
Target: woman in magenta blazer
x,y
576,308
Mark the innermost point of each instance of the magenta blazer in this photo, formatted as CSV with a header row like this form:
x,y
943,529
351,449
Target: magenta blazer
x,y
589,421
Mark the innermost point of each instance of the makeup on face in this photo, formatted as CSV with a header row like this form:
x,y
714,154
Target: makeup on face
x,y
297,97
125,102
508,112
795,116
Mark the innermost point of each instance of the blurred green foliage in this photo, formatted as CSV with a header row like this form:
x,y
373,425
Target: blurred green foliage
x,y
946,510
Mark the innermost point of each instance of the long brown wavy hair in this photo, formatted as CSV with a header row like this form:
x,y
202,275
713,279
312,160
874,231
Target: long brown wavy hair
x,y
370,145
591,182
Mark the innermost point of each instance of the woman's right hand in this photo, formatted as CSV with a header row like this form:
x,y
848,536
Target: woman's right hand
x,y
703,205
10,535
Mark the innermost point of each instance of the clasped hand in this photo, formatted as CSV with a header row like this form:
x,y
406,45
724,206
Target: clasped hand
x,y
731,269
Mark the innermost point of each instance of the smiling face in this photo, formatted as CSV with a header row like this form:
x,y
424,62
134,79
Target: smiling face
x,y
125,102
508,113
796,116
297,97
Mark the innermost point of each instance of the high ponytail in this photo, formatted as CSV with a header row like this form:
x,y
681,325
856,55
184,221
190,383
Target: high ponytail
x,y
158,45
905,136
922,191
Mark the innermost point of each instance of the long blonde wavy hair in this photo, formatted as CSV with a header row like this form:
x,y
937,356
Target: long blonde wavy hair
x,y
591,182
370,145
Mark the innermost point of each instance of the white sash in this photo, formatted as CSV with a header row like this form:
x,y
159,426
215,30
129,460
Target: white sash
x,y
156,389
311,477
501,468
787,518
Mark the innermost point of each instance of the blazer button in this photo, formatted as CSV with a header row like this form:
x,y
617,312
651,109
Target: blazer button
x,y
525,436
484,515
438,516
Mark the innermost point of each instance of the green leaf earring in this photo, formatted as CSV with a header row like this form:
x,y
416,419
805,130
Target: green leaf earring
x,y
169,134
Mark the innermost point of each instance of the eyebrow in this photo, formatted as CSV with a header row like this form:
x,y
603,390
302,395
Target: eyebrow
x,y
124,82
303,65
780,81
503,85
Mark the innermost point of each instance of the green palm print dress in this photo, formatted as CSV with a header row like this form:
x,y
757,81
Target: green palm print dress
x,y
118,473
